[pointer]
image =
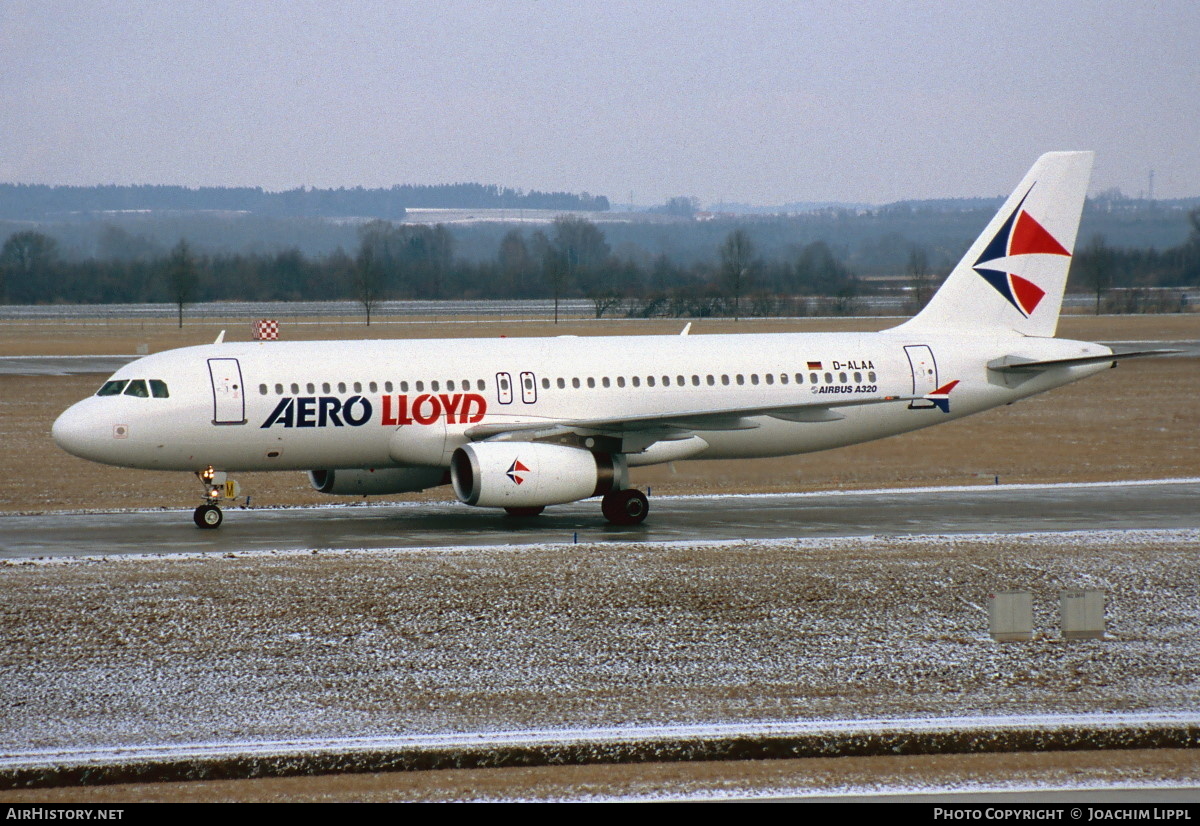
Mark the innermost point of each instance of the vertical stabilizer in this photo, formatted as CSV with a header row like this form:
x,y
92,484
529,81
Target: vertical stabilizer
x,y
1013,276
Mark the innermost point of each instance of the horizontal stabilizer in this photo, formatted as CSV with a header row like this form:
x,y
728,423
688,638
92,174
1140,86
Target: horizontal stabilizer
x,y
1019,364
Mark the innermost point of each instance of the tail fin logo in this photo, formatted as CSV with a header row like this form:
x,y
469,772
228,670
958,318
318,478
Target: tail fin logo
x,y
1021,234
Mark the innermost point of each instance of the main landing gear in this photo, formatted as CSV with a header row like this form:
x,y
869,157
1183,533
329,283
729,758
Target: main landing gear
x,y
621,507
625,507
216,486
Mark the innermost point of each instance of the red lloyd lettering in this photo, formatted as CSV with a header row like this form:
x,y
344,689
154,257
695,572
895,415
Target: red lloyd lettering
x,y
427,408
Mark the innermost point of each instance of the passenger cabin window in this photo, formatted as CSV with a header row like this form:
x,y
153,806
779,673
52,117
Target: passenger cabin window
x,y
262,390
325,387
158,389
112,388
137,387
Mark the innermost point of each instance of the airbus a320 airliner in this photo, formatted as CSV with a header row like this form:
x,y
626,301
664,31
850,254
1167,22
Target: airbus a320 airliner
x,y
522,423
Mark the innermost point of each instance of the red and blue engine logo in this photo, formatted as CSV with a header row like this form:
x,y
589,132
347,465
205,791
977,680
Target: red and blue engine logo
x,y
515,470
1021,234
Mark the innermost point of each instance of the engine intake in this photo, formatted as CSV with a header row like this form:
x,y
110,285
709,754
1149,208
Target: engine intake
x,y
525,474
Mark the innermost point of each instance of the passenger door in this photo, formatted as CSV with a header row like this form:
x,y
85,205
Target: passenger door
x,y
229,397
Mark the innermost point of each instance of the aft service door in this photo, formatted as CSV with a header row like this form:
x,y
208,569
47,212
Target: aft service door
x,y
229,398
924,373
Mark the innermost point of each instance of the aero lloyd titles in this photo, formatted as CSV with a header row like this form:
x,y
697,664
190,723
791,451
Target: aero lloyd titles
x,y
355,411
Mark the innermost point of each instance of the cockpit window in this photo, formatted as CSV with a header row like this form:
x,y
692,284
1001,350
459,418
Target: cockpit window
x,y
158,389
137,387
112,388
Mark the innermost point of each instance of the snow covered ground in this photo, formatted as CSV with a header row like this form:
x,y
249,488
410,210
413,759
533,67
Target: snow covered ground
x,y
103,655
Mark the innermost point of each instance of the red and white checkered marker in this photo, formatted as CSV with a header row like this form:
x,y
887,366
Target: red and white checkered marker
x,y
266,329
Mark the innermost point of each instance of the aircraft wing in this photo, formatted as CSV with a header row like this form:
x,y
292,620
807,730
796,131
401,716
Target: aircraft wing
x,y
676,424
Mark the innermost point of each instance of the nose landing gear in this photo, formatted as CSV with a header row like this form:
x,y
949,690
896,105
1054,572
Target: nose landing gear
x,y
216,485
208,516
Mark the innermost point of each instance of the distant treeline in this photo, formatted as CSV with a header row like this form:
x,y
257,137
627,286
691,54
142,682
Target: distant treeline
x,y
744,273
32,202
870,242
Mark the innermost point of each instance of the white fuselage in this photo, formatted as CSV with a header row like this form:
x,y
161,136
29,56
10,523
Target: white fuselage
x,y
374,404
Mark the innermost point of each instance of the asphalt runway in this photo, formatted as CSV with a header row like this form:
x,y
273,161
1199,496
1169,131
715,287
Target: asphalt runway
x,y
999,509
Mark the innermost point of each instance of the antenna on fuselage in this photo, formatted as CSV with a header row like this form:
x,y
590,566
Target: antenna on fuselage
x,y
220,338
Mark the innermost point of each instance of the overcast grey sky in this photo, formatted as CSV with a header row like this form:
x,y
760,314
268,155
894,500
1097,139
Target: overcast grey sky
x,y
747,101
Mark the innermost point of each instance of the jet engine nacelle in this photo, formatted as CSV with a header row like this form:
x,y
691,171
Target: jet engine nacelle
x,y
344,482
524,474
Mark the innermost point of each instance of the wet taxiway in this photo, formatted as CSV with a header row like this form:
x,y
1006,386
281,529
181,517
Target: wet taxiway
x,y
1000,509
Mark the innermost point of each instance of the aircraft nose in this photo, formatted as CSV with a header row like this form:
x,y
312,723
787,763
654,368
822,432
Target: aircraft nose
x,y
74,432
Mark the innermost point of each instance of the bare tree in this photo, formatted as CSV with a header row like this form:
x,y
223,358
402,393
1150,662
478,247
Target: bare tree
x,y
737,254
604,301
182,277
582,253
682,207
25,258
1096,264
920,279
368,278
